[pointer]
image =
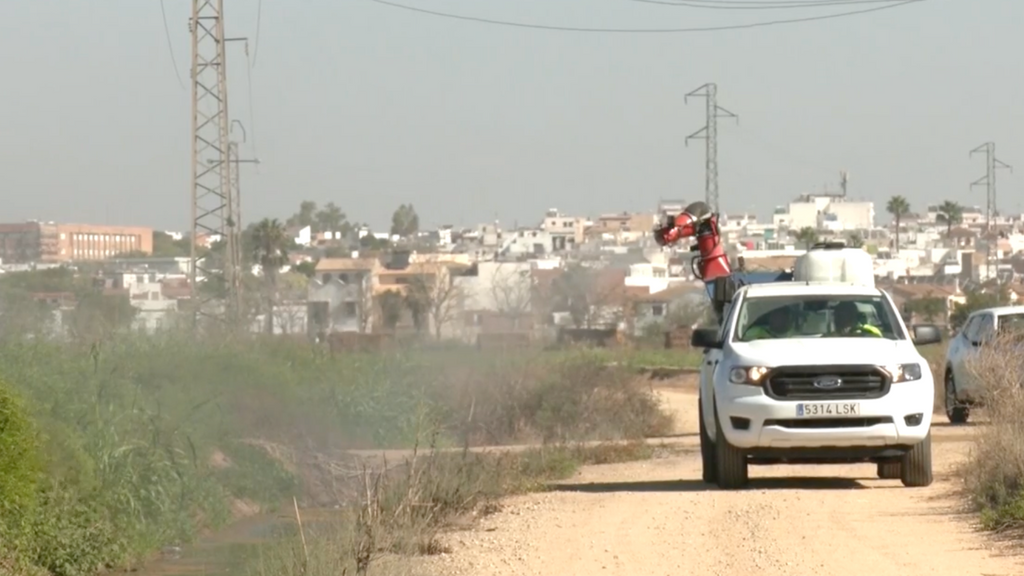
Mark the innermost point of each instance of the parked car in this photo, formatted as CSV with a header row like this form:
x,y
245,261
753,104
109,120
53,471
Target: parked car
x,y
962,386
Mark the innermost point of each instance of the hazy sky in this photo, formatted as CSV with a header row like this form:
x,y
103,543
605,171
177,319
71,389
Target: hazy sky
x,y
370,106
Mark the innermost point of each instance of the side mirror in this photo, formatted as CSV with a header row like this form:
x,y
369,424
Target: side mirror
x,y
705,338
924,334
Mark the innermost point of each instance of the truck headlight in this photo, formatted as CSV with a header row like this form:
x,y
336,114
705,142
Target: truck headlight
x,y
904,372
752,375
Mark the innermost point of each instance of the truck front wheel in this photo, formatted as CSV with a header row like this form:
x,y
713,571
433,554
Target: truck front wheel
x,y
916,464
731,462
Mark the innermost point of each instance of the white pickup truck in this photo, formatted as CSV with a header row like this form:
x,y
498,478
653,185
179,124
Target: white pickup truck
x,y
782,383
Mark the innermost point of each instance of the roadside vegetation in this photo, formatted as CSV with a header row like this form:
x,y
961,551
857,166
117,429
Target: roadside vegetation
x,y
113,449
403,510
935,355
994,472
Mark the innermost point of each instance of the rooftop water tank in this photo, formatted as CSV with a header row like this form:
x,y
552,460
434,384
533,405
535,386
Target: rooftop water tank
x,y
835,262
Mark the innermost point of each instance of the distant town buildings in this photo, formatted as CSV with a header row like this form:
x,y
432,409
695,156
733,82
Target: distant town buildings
x,y
50,242
493,278
833,212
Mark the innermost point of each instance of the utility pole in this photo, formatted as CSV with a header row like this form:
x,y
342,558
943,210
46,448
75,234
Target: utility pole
x,y
233,242
709,133
989,182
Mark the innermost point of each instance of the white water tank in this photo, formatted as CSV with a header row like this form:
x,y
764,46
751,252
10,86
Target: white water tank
x,y
836,264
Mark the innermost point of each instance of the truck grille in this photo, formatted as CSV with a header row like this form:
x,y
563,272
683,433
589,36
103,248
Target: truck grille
x,y
798,382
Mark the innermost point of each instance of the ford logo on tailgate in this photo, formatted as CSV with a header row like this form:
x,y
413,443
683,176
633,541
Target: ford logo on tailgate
x,y
827,382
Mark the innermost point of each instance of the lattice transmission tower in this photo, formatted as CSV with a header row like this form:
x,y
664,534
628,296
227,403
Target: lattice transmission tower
x,y
214,197
989,179
709,133
989,182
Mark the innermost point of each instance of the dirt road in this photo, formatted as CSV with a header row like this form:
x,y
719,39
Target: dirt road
x,y
658,518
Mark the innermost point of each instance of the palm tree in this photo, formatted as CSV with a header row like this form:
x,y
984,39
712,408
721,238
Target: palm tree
x,y
807,236
898,207
270,245
951,214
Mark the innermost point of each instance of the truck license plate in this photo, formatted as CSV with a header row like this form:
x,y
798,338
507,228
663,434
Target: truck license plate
x,y
829,409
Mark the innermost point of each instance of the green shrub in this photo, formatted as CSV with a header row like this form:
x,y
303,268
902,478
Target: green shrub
x,y
128,427
253,474
19,471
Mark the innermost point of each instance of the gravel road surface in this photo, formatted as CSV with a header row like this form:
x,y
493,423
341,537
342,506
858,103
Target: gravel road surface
x,y
657,518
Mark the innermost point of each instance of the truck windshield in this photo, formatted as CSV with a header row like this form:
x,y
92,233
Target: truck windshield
x,y
817,316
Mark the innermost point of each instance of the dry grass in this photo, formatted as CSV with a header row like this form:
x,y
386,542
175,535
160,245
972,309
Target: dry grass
x,y
994,472
402,509
935,354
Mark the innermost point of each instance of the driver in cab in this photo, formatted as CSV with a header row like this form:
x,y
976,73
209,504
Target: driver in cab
x,y
847,322
780,325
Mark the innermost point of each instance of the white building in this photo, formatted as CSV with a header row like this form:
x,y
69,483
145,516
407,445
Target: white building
x,y
826,211
528,242
566,231
444,235
971,215
155,301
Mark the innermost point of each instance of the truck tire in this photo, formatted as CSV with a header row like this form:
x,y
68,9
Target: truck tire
x,y
707,449
889,470
916,464
956,412
731,467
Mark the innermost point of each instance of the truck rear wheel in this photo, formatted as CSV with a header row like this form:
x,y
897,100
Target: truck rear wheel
x,y
889,470
731,468
707,448
916,465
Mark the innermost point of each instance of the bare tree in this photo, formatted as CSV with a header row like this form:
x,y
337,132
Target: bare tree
x,y
289,318
436,295
364,304
290,287
688,313
512,290
589,299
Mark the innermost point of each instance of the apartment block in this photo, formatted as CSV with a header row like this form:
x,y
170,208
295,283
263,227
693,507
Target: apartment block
x,y
52,242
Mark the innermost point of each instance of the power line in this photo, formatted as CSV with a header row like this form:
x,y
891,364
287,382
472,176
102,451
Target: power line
x,y
256,40
252,114
642,30
170,46
771,2
709,5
